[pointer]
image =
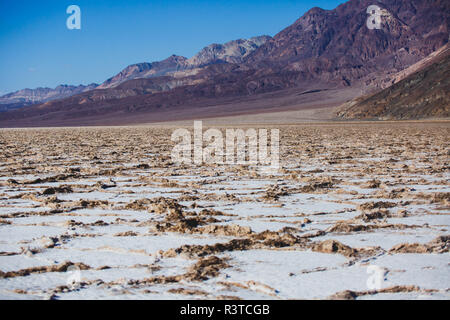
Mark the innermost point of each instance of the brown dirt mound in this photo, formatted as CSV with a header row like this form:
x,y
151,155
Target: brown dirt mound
x,y
376,205
333,246
352,295
439,245
55,268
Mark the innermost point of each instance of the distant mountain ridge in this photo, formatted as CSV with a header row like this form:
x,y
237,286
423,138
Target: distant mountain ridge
x,y
25,97
145,70
231,52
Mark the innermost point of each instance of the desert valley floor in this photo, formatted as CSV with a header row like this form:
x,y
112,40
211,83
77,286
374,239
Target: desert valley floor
x,y
104,213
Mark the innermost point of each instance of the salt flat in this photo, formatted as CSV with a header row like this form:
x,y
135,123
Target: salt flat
x,y
104,213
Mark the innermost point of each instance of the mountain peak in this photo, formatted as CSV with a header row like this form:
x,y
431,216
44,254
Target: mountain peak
x,y
315,10
232,51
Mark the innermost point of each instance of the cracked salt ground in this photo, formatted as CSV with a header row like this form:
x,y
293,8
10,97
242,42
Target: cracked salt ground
x,y
294,274
138,227
384,239
21,234
432,272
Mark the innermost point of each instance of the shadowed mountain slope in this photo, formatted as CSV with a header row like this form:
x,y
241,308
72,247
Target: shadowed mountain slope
x,y
422,94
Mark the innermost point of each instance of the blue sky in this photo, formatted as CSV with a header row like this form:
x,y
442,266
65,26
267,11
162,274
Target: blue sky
x,y
37,49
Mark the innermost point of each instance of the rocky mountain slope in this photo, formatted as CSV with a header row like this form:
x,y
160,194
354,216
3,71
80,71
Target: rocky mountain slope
x,y
337,43
145,70
233,52
421,94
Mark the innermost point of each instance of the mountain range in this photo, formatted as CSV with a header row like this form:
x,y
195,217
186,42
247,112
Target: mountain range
x,y
232,52
323,50
26,97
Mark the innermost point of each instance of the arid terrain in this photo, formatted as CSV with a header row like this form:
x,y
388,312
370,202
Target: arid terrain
x,y
357,211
